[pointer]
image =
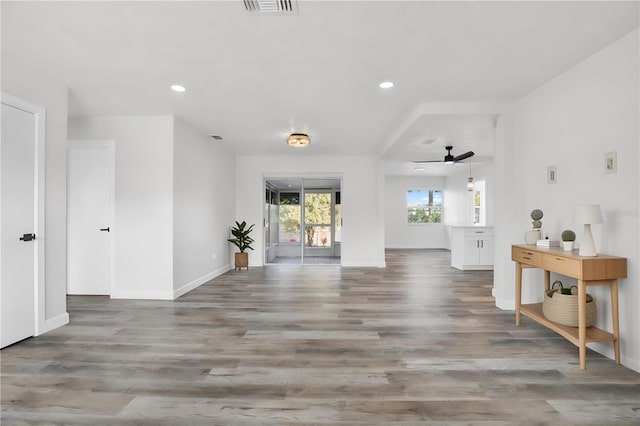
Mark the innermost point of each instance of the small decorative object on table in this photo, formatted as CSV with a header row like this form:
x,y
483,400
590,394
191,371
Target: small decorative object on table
x,y
568,239
536,215
531,237
561,306
547,243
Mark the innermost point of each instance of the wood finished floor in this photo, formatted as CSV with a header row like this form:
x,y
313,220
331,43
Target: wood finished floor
x,y
413,344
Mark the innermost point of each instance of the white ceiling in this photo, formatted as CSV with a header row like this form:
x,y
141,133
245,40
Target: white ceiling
x,y
253,79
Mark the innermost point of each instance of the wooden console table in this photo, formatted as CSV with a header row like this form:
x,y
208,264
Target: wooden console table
x,y
589,271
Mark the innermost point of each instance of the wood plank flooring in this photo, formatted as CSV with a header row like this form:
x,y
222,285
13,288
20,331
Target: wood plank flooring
x,y
417,343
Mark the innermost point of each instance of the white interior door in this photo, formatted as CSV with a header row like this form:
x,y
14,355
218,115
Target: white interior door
x,y
19,222
89,213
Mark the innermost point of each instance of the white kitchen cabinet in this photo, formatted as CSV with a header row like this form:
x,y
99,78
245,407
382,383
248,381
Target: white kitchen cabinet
x,y
472,247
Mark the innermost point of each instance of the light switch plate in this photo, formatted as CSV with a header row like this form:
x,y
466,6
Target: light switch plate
x,y
611,162
552,174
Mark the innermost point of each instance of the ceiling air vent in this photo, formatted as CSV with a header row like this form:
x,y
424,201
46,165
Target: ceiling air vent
x,y
277,7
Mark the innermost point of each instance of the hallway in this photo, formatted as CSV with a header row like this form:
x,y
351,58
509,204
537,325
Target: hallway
x,y
416,343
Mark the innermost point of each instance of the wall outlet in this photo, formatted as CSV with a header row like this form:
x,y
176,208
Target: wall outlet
x,y
214,256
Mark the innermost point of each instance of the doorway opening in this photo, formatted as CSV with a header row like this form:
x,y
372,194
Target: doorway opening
x,y
302,221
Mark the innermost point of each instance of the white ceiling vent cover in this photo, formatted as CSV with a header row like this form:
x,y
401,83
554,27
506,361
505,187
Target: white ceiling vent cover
x,y
277,7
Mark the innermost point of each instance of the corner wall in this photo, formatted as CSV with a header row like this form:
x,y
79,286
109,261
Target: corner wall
x,y
143,222
570,123
203,207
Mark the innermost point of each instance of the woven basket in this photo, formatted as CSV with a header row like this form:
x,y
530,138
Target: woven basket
x,y
563,308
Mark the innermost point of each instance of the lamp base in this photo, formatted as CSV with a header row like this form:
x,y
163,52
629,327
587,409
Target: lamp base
x,y
587,247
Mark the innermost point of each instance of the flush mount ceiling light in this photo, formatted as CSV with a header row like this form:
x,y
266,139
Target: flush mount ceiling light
x,y
178,88
298,140
386,85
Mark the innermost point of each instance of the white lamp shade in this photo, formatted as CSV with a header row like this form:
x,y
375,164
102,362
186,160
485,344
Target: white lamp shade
x,y
587,214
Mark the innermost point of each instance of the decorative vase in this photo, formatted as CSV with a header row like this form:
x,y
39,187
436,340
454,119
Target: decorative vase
x,y
531,237
242,261
568,245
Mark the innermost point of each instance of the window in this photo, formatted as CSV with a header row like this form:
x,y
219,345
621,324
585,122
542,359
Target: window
x,y
424,206
479,204
476,207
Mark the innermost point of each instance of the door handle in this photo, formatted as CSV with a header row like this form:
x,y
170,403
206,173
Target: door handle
x,y
107,229
28,237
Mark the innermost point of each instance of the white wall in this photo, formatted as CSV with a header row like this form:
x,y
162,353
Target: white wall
x,y
458,201
361,241
571,122
143,223
398,232
203,207
53,97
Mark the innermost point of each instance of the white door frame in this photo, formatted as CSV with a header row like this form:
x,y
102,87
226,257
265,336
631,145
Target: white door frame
x,y
311,176
110,145
39,211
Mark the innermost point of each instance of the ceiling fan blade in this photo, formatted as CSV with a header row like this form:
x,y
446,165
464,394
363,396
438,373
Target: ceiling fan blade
x,y
463,156
428,161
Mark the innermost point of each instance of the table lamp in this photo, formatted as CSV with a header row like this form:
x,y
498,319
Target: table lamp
x,y
587,214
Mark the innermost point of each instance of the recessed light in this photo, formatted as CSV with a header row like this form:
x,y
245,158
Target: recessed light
x,y
178,88
386,85
418,169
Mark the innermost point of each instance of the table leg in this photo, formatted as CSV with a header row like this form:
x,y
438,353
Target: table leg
x,y
518,291
547,280
582,322
614,317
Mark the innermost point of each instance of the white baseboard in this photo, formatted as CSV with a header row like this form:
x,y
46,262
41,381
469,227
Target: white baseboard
x,y
136,294
53,323
414,247
198,282
632,363
506,305
361,264
606,349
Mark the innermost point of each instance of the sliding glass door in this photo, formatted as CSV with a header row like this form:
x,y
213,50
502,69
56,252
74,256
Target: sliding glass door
x,y
318,223
302,221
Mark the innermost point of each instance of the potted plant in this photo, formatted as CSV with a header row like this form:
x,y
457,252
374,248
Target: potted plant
x,y
243,241
568,239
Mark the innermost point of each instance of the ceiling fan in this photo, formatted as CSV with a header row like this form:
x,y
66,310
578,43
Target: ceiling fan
x,y
449,158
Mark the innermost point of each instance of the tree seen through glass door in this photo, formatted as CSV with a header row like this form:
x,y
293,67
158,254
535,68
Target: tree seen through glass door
x,y
317,218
